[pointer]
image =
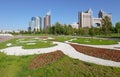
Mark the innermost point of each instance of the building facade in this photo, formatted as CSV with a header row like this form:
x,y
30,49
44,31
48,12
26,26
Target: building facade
x,y
35,24
47,20
74,25
86,19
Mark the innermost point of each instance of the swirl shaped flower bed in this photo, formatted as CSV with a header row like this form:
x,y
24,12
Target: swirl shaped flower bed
x,y
108,54
46,59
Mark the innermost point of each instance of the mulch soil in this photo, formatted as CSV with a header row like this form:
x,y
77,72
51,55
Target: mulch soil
x,y
4,38
46,59
108,54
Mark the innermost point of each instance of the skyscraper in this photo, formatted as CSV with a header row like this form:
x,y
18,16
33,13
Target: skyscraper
x,y
47,20
38,23
85,19
35,24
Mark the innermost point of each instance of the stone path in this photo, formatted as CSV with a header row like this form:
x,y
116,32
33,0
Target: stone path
x,y
65,48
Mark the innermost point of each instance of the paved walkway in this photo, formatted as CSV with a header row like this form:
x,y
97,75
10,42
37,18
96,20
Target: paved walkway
x,y
65,48
114,46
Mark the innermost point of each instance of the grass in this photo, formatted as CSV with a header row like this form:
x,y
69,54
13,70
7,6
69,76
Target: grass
x,y
92,41
39,45
10,66
112,35
62,38
3,44
28,43
18,66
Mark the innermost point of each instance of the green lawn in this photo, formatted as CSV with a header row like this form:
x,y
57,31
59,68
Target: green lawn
x,y
3,44
28,43
14,66
92,41
62,38
41,44
112,35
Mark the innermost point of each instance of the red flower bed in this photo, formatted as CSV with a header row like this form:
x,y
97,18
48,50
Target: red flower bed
x,y
99,52
45,59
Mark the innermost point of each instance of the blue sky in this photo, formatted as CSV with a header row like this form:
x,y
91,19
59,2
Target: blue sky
x,y
16,14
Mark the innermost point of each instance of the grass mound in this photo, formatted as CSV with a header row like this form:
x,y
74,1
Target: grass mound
x,y
46,59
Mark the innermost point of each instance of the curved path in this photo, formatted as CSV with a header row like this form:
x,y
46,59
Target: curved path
x,y
65,48
113,46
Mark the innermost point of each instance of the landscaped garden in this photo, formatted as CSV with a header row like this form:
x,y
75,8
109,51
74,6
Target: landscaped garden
x,y
55,64
93,41
61,66
27,43
62,38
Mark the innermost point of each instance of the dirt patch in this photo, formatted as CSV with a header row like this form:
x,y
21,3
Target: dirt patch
x,y
43,37
108,54
45,59
4,38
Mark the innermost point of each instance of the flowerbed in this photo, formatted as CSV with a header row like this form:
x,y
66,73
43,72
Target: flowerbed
x,y
99,52
45,59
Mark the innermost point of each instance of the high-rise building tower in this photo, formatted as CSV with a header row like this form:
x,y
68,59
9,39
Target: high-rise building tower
x,y
35,24
47,20
38,22
85,19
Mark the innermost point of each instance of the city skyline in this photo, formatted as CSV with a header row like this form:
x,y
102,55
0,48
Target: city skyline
x,y
17,13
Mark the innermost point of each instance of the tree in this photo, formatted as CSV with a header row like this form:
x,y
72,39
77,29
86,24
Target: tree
x,y
117,27
106,25
91,32
58,28
70,30
80,31
85,31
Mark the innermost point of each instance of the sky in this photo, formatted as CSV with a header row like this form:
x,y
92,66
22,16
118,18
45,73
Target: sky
x,y
16,14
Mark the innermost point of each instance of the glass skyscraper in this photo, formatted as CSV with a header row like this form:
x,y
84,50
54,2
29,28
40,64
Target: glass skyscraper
x,y
35,24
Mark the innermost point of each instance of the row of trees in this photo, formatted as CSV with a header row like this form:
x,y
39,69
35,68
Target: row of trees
x,y
59,29
106,29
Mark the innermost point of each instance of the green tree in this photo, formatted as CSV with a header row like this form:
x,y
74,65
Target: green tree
x,y
106,25
58,28
117,27
85,31
91,32
70,30
80,31
65,31
52,30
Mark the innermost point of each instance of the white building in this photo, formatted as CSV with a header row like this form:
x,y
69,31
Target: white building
x,y
35,24
74,25
86,19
